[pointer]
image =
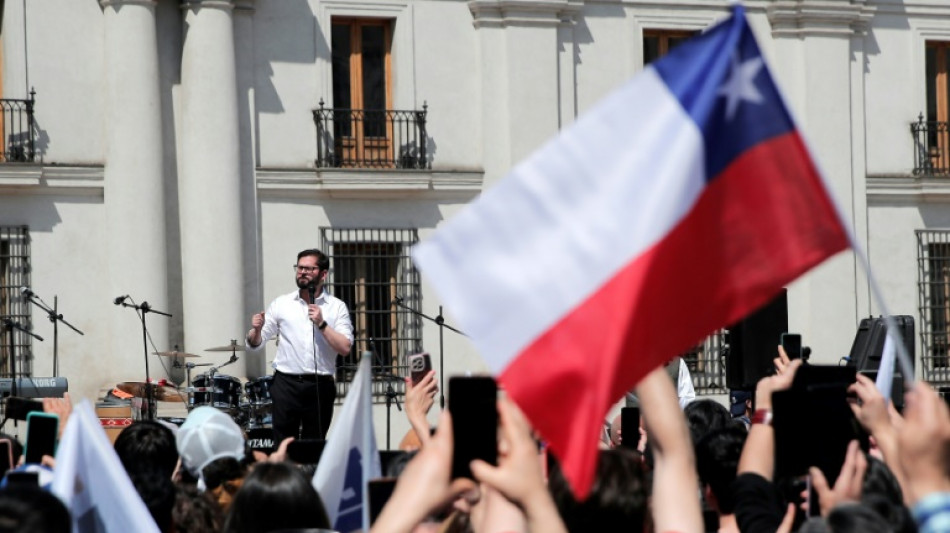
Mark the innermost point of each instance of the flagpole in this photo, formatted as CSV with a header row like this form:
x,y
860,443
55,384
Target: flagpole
x,y
365,372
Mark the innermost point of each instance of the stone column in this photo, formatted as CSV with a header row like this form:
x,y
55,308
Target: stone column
x,y
134,192
524,97
209,185
819,62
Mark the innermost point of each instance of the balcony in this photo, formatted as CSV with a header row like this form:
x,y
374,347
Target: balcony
x,y
371,139
931,147
18,130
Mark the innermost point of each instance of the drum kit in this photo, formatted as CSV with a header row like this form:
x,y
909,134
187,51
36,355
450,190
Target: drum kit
x,y
249,404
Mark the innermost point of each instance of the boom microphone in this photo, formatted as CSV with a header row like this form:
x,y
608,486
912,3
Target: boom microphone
x,y
119,300
25,291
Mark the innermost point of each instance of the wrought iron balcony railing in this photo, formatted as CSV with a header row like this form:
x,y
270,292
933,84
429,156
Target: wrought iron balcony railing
x,y
371,138
931,146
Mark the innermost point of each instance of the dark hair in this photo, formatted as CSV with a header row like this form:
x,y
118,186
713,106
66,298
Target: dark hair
x,y
196,512
617,499
717,459
32,510
704,416
275,496
881,493
323,261
157,492
147,444
855,518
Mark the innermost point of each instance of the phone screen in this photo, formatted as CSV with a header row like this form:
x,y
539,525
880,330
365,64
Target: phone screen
x,y
630,427
419,365
41,431
379,492
792,343
6,456
472,403
305,451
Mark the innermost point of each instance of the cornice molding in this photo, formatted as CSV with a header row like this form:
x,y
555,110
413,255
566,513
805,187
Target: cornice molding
x,y
119,3
504,13
797,18
227,5
30,178
907,189
367,184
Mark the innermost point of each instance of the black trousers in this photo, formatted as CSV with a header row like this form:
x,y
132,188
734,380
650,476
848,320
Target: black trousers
x,y
298,412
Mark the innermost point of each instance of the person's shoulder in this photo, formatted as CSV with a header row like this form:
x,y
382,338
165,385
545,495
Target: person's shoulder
x,y
333,299
290,296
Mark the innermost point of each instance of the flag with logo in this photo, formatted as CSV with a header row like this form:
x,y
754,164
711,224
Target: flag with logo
x,y
350,458
677,205
91,481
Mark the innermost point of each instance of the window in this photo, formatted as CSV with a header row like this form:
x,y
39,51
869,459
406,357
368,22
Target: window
x,y
936,156
369,269
14,273
657,43
361,90
933,282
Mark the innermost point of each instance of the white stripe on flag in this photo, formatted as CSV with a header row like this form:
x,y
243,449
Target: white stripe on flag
x,y
580,213
91,481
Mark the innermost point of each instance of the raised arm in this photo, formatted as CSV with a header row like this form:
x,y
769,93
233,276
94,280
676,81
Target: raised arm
x,y
675,487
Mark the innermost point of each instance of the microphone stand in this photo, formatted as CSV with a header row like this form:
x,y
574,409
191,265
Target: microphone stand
x,y
55,317
140,311
391,395
440,321
9,325
312,289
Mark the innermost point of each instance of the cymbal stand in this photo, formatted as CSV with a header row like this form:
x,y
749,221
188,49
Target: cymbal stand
x,y
141,310
440,321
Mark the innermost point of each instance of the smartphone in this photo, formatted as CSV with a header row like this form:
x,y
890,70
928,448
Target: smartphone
x,y
6,456
473,405
23,479
306,451
630,427
792,343
41,430
419,365
379,492
814,504
18,408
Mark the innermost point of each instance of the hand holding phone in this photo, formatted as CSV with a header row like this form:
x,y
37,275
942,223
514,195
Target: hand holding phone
x,y
473,405
41,431
420,364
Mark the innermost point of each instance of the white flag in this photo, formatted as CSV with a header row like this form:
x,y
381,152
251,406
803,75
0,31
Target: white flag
x,y
350,458
91,481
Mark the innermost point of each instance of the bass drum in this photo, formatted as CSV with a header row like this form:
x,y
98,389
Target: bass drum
x,y
221,392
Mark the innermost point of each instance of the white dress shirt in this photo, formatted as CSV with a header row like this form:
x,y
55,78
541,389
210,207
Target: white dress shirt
x,y
286,318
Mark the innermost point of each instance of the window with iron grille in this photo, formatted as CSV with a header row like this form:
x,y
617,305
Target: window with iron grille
x,y
707,364
933,283
14,273
369,269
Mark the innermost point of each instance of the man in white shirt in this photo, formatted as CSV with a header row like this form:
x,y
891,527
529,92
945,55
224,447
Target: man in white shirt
x,y
311,327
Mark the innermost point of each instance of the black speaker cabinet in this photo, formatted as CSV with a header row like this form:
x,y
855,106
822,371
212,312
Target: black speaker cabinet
x,y
753,343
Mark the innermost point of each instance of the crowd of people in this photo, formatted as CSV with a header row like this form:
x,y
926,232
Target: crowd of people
x,y
702,467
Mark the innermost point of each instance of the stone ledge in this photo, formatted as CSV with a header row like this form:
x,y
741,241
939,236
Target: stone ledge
x,y
360,183
907,188
36,178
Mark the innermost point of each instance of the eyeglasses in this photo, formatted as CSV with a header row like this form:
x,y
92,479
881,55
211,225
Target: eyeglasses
x,y
306,269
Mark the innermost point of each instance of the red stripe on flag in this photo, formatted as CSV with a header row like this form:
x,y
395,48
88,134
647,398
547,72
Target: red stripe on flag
x,y
758,226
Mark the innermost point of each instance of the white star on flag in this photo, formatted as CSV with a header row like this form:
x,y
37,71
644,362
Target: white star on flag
x,y
740,85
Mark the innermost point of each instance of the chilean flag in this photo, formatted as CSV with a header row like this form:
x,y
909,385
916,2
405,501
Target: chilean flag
x,y
679,204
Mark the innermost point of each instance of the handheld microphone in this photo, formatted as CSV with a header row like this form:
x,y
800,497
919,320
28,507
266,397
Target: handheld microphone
x,y
119,300
25,291
312,289
396,301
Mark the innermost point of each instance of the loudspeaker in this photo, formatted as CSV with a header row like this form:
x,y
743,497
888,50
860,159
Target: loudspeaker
x,y
753,344
868,346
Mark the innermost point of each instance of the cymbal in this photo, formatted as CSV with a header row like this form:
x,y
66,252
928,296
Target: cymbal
x,y
175,354
233,347
160,393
